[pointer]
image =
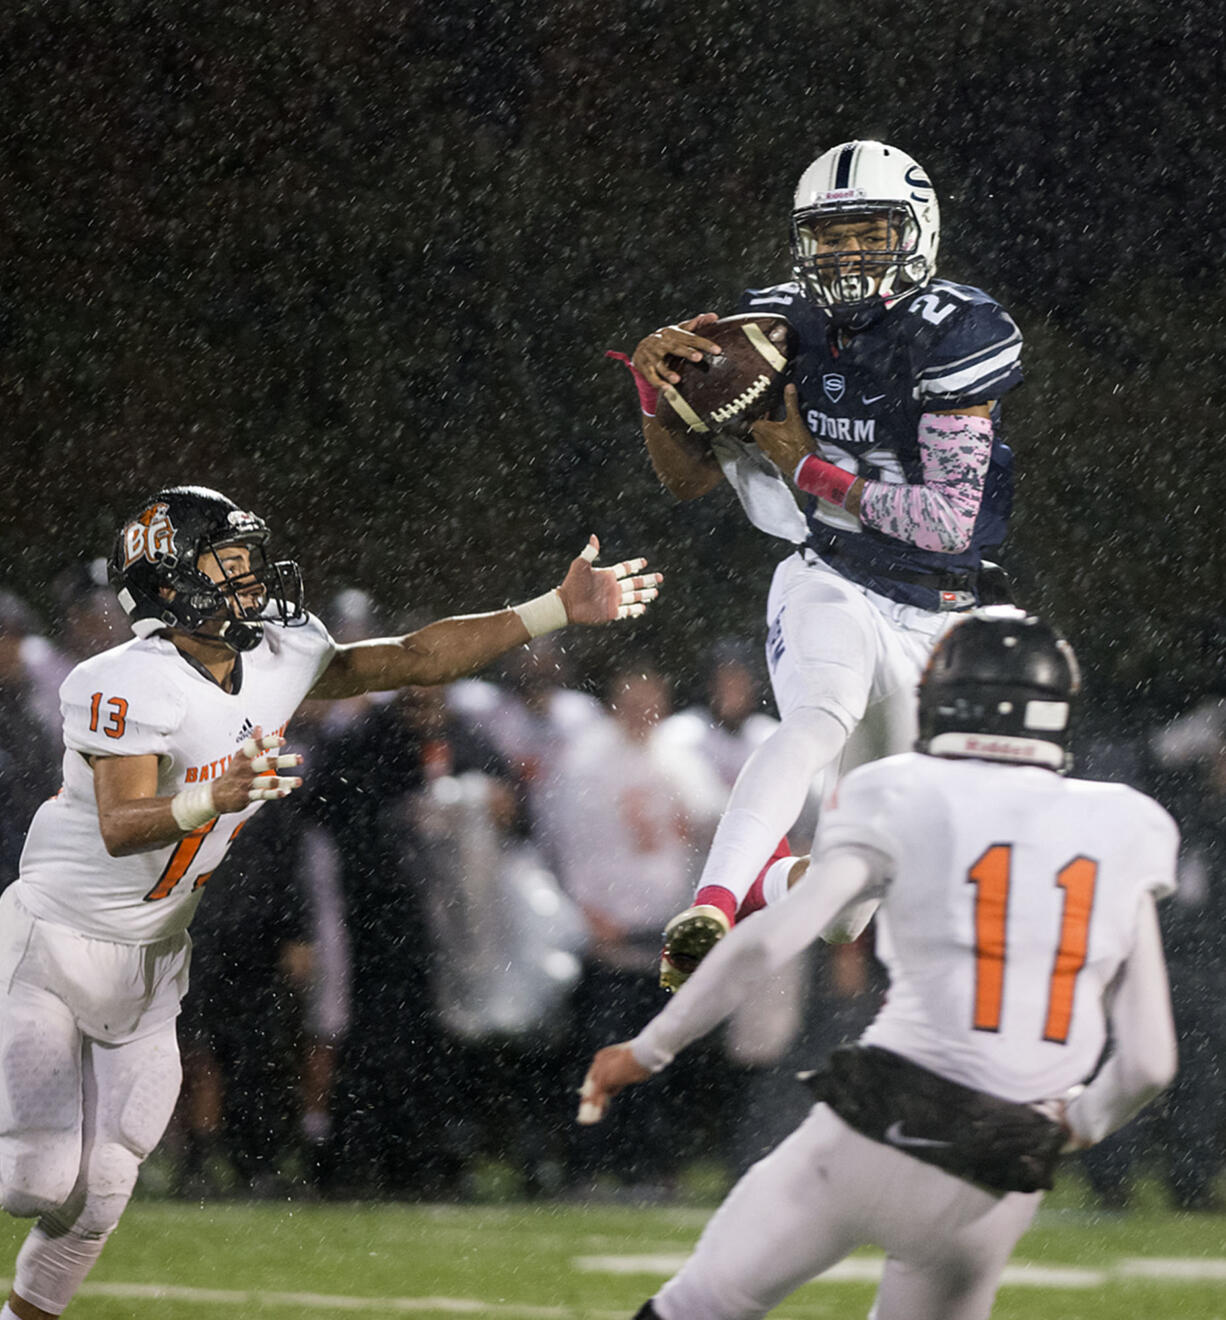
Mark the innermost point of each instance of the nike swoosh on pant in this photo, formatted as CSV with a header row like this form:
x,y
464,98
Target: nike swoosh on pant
x,y
896,1137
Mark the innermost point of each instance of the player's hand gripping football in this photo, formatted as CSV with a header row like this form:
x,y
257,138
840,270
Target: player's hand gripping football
x,y
254,776
600,595
612,1070
681,340
785,443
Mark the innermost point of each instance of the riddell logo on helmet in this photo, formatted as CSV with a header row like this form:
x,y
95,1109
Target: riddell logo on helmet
x,y
1014,747
151,536
844,195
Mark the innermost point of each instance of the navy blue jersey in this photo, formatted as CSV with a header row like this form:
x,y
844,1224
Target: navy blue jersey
x,y
945,348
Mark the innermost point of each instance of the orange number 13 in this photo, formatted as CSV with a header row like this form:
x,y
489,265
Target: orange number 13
x,y
991,876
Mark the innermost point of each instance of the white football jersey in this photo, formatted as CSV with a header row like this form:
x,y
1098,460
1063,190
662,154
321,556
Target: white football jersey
x,y
1011,903
145,698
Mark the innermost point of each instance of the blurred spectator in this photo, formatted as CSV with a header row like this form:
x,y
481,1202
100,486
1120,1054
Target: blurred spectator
x,y
29,753
33,659
1193,1123
402,1126
88,617
1186,1133
632,814
531,717
240,1024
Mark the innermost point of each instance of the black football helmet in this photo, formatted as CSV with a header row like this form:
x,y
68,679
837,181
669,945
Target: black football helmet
x,y
153,569
999,685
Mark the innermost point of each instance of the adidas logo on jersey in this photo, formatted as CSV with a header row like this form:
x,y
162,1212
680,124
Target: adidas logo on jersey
x,y
245,732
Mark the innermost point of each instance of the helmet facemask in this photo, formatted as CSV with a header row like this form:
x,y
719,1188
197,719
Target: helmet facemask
x,y
862,279
242,601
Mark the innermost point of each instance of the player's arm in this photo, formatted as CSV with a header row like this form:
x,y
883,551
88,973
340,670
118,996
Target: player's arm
x,y
134,819
752,951
1143,1055
453,648
684,463
936,513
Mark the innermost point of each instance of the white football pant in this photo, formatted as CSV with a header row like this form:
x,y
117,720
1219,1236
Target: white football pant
x,y
840,656
827,1190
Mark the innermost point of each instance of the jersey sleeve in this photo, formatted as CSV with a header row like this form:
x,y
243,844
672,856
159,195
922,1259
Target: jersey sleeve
x,y
309,647
976,360
1154,850
860,812
113,709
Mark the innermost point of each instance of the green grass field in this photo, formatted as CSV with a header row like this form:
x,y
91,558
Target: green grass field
x,y
295,1261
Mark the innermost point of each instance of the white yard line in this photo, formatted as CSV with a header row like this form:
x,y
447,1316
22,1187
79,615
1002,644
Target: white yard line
x,y
247,1298
867,1269
860,1269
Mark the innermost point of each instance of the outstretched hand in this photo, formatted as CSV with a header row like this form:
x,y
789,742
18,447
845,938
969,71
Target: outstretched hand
x,y
612,1070
600,595
785,443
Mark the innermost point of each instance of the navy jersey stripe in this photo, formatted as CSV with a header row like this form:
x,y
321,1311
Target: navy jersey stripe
x,y
842,175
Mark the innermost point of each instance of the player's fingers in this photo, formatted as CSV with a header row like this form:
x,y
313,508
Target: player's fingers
x,y
630,611
638,583
628,566
272,787
592,1104
647,593
591,550
262,764
256,744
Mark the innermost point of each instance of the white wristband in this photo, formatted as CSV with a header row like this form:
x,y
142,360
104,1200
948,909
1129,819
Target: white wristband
x,y
193,807
544,614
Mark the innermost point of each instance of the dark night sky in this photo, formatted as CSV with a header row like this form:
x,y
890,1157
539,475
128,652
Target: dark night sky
x,y
356,265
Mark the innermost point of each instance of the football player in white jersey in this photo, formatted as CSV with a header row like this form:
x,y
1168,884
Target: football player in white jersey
x,y
893,442
1017,922
172,741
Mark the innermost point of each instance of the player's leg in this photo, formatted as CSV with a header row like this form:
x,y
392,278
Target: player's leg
x,y
821,650
793,1215
952,1269
40,1101
40,1110
129,1093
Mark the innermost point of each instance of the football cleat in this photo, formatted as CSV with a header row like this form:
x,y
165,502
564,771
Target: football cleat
x,y
688,938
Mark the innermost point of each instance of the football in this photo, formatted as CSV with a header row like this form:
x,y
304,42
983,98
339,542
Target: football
x,y
730,392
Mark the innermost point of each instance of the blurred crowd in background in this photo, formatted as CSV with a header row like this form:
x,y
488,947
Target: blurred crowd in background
x,y
399,974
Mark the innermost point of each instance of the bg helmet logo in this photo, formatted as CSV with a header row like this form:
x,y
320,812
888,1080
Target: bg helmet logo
x,y
151,536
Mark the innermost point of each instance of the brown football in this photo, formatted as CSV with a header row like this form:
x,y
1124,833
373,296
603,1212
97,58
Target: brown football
x,y
732,391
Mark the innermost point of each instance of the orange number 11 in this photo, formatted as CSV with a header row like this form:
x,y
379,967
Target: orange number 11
x,y
991,876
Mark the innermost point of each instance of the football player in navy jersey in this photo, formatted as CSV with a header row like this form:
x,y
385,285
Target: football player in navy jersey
x,y
892,440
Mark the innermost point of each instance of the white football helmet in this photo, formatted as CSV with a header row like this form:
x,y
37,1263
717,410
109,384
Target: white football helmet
x,y
864,181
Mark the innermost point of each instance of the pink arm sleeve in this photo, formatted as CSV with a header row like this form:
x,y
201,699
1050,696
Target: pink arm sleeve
x,y
939,513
